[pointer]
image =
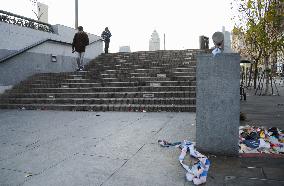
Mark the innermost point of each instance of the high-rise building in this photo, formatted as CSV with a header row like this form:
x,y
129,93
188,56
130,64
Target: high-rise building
x,y
124,49
154,43
227,40
42,12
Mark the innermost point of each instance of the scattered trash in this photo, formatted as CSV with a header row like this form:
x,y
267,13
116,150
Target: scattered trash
x,y
216,51
213,156
164,143
98,115
28,175
23,108
261,140
227,178
243,116
197,173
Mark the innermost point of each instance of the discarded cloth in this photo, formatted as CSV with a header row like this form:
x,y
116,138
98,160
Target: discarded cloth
x,y
251,143
197,173
263,144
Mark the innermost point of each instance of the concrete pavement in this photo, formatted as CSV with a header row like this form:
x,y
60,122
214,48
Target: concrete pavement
x,y
264,110
112,148
120,148
88,148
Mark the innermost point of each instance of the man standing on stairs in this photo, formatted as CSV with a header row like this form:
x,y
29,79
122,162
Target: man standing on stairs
x,y
106,37
80,41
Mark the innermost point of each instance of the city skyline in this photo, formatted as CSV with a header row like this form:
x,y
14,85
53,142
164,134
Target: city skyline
x,y
132,21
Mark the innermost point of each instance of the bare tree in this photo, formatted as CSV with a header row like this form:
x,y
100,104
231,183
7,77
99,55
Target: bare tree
x,y
36,9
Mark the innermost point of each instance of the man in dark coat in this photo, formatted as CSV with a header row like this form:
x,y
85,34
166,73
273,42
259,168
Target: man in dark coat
x,y
80,41
106,37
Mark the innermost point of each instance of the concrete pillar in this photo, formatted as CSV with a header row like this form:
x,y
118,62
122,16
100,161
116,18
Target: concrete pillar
x,y
218,103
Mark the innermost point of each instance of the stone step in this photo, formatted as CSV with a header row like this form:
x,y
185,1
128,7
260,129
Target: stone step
x,y
134,61
80,101
156,80
109,75
143,79
141,65
183,74
126,78
188,69
47,83
184,78
108,84
61,76
104,89
103,107
167,94
51,74
170,83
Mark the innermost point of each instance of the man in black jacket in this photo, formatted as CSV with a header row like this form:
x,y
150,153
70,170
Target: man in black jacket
x,y
106,37
80,41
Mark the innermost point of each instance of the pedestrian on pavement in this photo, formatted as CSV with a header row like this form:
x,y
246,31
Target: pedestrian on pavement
x,y
80,41
106,37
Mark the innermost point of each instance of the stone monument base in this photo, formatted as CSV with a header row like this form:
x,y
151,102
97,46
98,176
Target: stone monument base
x,y
218,103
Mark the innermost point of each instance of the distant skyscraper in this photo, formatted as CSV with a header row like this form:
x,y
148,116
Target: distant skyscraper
x,y
227,40
154,43
42,12
124,49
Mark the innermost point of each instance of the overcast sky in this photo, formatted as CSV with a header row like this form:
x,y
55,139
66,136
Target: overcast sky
x,y
132,22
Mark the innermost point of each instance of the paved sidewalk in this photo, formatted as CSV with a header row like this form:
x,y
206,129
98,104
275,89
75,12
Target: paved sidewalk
x,y
111,148
264,110
88,148
43,148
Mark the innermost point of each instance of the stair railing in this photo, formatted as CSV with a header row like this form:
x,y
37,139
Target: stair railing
x,y
37,44
15,19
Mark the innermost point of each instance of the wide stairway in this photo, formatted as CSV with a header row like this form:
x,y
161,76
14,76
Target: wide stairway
x,y
140,81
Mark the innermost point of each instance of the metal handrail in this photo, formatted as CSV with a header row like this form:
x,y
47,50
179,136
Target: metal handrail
x,y
36,44
94,41
24,21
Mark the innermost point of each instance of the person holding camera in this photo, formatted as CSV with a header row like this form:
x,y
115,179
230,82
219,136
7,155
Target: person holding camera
x,y
80,41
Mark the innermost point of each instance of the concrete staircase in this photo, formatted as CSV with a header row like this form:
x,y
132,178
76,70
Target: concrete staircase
x,y
141,81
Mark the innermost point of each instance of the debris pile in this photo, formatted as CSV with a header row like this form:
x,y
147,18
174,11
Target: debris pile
x,y
261,140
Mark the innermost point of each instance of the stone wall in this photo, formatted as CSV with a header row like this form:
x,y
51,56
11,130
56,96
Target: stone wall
x,y
27,64
14,37
38,59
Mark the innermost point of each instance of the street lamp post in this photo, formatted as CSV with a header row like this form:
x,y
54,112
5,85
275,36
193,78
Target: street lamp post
x,y
76,14
164,41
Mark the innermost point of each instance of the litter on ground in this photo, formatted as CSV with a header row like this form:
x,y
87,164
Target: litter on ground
x,y
197,173
261,140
